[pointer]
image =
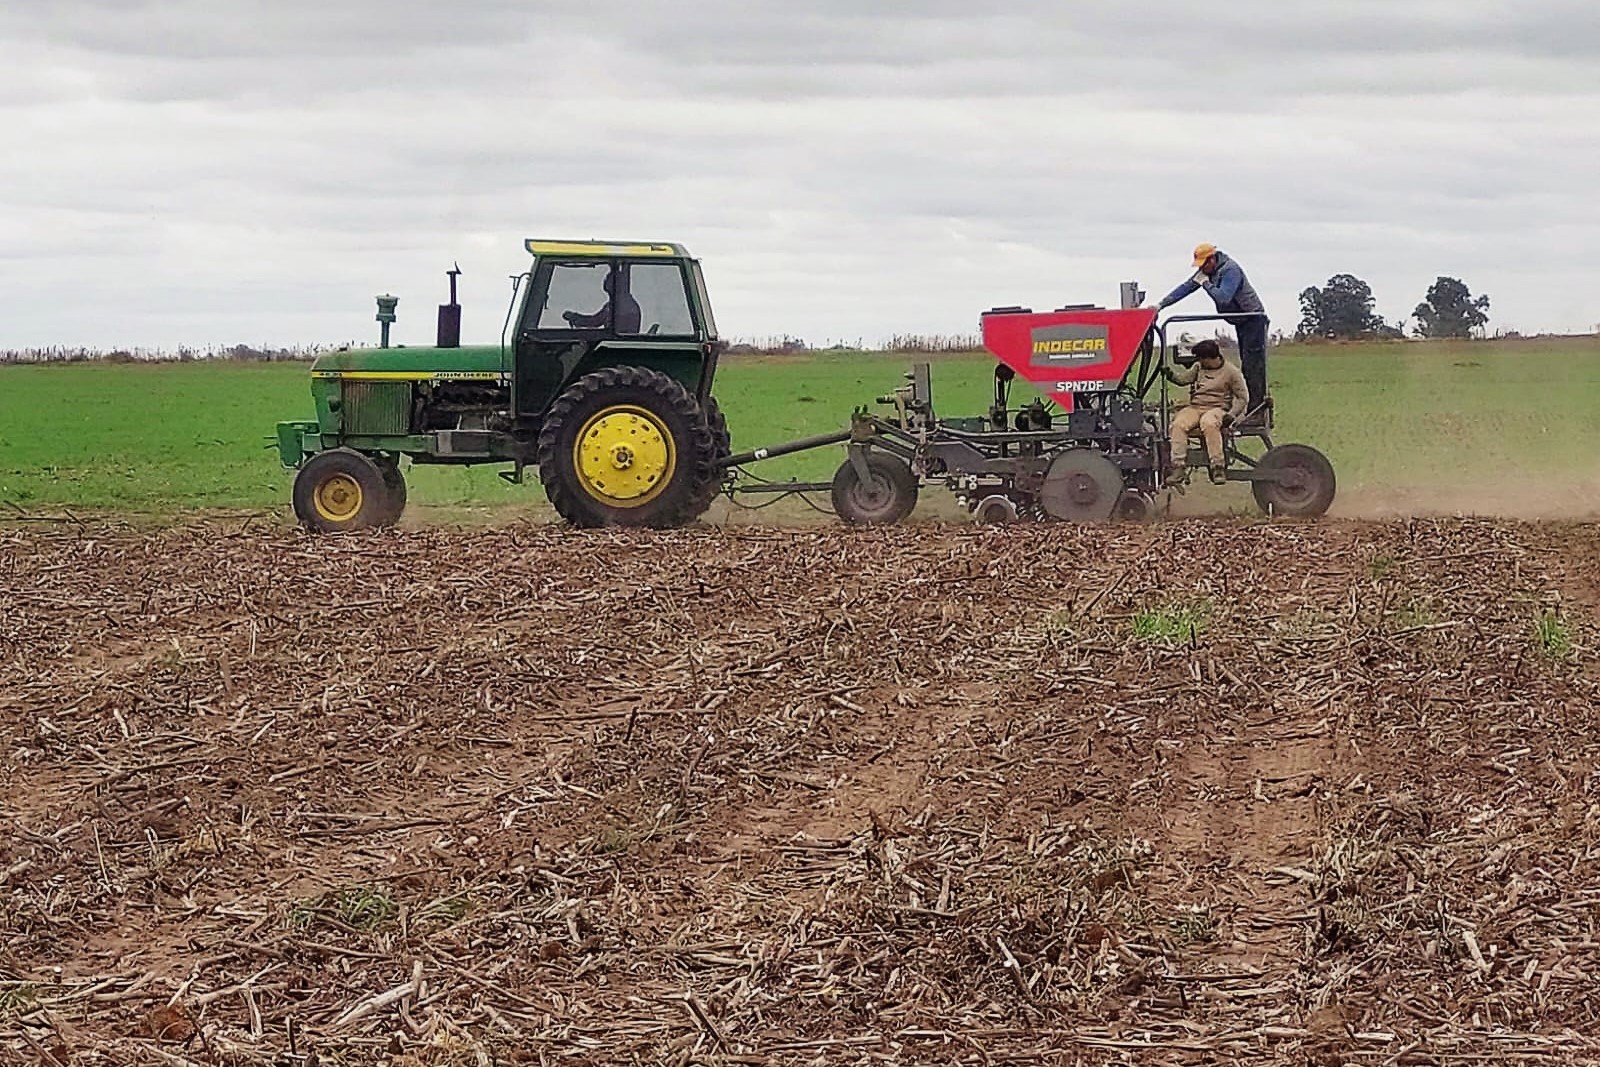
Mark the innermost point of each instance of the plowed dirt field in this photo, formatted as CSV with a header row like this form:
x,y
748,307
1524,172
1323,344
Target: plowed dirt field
x,y
1188,793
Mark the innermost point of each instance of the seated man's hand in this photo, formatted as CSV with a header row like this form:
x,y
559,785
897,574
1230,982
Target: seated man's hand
x,y
1201,278
1227,420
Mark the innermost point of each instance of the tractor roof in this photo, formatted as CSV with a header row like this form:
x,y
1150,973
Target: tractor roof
x,y
543,247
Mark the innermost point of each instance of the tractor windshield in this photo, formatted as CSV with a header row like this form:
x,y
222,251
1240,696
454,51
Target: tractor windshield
x,y
578,295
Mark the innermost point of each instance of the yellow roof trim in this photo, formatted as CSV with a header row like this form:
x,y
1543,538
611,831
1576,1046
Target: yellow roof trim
x,y
602,248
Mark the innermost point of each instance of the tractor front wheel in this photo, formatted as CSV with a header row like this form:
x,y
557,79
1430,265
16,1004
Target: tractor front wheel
x,y
626,446
887,495
341,490
1303,484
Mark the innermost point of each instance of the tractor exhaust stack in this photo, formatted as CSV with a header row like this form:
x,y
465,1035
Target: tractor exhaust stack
x,y
450,315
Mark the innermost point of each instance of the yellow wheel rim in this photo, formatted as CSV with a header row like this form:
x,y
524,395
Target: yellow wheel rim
x,y
624,456
337,498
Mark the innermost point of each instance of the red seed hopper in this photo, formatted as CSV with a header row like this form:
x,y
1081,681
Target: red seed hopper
x,y
1073,350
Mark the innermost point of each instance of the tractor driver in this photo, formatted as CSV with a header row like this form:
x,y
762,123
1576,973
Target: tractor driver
x,y
629,317
1217,396
1224,282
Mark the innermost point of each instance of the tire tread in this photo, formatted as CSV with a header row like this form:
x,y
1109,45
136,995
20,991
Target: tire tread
x,y
674,507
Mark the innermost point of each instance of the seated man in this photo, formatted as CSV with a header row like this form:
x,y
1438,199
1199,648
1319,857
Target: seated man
x,y
629,317
1217,395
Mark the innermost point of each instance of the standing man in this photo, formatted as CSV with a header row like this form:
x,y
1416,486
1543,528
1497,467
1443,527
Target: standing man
x,y
1225,283
1216,397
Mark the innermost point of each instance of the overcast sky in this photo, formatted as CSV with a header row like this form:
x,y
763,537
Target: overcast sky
x,y
255,171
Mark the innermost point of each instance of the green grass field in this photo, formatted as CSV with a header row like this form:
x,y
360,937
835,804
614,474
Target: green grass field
x,y
1497,421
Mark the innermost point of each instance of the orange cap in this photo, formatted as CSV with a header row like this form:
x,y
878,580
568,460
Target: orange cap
x,y
1203,252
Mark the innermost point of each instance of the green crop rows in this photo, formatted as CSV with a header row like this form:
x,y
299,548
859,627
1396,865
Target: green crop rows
x,y
1502,421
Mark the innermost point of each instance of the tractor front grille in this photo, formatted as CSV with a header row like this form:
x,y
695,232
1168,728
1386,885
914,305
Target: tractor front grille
x,y
377,407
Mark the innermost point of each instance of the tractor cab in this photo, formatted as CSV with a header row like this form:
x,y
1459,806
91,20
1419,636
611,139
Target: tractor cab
x,y
586,304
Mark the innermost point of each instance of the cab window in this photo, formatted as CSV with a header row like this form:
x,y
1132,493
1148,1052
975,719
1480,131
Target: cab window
x,y
657,289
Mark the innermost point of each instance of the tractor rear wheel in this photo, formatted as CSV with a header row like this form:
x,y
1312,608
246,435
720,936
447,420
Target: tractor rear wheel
x,y
888,494
340,490
722,446
395,482
626,446
1304,486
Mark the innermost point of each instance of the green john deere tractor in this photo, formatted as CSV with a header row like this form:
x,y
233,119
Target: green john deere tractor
x,y
602,381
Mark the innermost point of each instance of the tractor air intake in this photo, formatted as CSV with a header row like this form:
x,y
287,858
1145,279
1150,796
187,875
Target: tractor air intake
x,y
386,317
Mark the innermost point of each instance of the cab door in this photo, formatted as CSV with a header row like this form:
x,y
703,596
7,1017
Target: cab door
x,y
567,313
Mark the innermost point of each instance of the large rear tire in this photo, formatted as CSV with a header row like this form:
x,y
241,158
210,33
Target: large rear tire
x,y
339,491
394,504
626,446
722,446
888,495
1308,486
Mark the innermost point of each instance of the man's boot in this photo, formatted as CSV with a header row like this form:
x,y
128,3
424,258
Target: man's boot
x,y
1178,475
1219,474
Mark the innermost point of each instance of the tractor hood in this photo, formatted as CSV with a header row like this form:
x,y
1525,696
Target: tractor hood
x,y
479,361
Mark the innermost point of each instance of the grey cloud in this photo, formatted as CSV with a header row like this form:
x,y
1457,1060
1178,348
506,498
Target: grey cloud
x,y
846,169
772,49
178,30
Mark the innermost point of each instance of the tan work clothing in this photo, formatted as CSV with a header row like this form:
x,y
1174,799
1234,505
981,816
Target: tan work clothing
x,y
1209,423
1212,395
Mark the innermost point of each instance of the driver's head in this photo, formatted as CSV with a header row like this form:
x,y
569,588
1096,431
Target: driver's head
x,y
610,282
1209,354
1205,257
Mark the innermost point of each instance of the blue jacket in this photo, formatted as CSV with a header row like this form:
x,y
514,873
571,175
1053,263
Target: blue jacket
x,y
1228,287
